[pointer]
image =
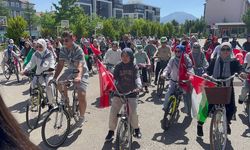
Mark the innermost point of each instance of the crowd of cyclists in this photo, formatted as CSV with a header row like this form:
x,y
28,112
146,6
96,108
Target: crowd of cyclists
x,y
133,62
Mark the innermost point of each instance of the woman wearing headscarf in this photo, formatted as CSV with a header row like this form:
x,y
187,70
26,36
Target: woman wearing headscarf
x,y
199,60
43,60
223,67
127,80
26,49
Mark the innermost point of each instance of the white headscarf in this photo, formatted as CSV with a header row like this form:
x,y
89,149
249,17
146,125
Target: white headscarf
x,y
44,44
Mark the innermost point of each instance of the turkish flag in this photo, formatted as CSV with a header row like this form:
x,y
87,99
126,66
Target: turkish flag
x,y
106,84
96,51
183,73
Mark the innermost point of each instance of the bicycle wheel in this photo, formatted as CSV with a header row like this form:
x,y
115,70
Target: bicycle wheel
x,y
160,86
56,128
7,71
33,109
169,112
124,136
218,130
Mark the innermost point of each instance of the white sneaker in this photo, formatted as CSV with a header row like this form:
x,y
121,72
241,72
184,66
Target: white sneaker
x,y
80,122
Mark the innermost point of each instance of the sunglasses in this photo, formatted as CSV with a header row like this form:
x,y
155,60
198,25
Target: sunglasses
x,y
225,49
39,46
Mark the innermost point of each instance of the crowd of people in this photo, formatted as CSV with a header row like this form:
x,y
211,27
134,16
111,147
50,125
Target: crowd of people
x,y
130,60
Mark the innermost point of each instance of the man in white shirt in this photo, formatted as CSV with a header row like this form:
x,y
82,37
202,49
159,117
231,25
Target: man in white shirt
x,y
246,86
112,56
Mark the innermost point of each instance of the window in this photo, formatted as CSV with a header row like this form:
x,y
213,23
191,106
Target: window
x,y
17,4
12,4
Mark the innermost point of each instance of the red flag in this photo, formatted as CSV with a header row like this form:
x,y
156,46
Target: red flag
x,y
183,75
198,82
106,84
209,53
96,51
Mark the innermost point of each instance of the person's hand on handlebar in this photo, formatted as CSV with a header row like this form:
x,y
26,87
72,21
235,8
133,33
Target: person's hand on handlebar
x,y
243,75
205,75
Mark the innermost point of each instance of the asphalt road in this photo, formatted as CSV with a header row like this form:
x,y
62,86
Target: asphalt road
x,y
91,136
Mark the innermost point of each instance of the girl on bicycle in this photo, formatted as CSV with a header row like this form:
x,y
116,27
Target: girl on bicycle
x,y
223,67
172,70
199,60
127,80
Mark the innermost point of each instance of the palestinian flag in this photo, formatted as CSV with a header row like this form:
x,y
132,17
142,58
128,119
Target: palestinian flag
x,y
199,108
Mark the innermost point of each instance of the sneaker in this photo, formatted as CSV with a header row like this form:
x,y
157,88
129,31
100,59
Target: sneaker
x,y
228,129
109,137
137,133
80,122
199,130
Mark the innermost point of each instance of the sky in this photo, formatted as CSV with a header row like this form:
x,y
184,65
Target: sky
x,y
194,7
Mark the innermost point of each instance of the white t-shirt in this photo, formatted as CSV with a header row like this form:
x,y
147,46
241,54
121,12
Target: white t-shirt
x,y
113,57
247,61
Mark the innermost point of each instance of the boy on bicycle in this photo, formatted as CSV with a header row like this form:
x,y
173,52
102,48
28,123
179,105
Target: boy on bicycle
x,y
172,69
143,62
43,60
127,80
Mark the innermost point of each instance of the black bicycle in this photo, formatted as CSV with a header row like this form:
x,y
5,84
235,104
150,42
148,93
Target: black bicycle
x,y
56,126
160,84
38,100
12,66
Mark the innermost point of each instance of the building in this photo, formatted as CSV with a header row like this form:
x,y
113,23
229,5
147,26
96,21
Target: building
x,y
18,7
226,15
116,9
102,8
138,10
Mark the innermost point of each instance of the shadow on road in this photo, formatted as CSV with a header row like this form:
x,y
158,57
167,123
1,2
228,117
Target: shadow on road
x,y
155,98
67,143
19,107
12,82
175,134
111,145
205,146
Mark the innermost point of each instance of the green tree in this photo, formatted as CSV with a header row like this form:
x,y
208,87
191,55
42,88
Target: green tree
x,y
4,11
16,28
48,25
108,29
246,20
30,17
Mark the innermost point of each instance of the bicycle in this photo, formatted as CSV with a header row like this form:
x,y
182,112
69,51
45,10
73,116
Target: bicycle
x,y
60,117
219,96
110,68
171,112
37,101
12,66
124,130
141,67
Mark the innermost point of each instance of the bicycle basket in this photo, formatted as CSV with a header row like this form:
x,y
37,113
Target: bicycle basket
x,y
218,95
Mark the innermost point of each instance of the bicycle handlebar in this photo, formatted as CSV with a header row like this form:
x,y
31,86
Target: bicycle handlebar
x,y
222,80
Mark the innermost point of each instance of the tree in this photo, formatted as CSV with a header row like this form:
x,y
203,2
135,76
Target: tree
x,y
4,11
246,20
48,25
108,30
31,17
16,28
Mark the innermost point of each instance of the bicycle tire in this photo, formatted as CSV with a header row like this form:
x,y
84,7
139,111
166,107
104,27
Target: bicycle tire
x,y
215,119
35,100
169,113
6,71
47,140
122,130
